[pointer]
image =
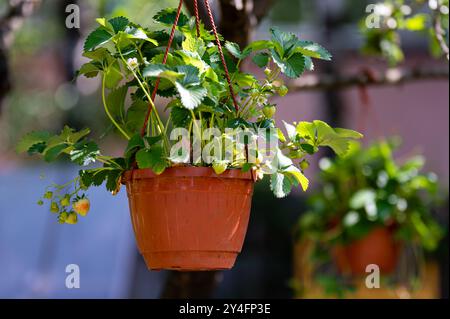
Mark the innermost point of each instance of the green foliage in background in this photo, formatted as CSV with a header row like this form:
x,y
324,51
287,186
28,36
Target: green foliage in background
x,y
366,189
389,20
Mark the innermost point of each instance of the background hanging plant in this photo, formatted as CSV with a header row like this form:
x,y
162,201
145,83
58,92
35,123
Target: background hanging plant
x,y
362,191
129,59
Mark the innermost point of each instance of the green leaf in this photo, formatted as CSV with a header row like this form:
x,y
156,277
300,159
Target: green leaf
x,y
89,70
191,75
138,34
52,153
118,24
152,159
38,148
245,80
298,176
112,180
72,136
313,50
306,130
292,67
284,42
84,153
191,96
93,177
327,136
309,64
99,55
258,46
152,140
167,17
261,59
136,115
308,148
280,185
181,117
113,76
31,139
346,133
116,102
238,123
97,37
194,44
234,50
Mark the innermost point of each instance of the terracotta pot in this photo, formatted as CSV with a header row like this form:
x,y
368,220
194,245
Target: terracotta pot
x,y
189,218
378,247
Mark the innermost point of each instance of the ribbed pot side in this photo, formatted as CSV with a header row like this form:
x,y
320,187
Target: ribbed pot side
x,y
189,218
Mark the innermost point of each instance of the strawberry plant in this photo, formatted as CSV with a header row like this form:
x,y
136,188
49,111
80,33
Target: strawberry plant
x,y
366,190
134,67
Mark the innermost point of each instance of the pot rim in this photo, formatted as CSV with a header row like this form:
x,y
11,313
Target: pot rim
x,y
185,171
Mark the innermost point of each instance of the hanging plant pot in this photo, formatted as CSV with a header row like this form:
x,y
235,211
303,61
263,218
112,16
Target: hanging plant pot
x,y
189,218
378,247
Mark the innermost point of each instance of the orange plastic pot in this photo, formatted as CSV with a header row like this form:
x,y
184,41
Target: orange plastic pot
x,y
189,218
378,247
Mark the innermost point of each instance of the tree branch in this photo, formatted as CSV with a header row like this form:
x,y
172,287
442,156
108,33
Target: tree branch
x,y
237,19
440,33
390,77
17,12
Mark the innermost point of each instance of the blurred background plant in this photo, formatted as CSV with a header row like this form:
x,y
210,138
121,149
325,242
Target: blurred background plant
x,y
365,191
401,90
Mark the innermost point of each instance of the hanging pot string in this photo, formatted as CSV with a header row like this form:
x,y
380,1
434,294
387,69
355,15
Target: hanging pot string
x,y
197,18
227,73
166,54
222,57
219,47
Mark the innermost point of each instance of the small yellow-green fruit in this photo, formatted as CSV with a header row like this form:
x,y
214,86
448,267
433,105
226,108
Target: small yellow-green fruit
x,y
304,165
269,111
82,206
62,217
54,207
220,167
267,72
48,195
40,202
283,90
72,218
65,201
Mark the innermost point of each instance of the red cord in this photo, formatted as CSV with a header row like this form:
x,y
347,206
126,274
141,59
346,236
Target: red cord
x,y
222,57
197,17
166,54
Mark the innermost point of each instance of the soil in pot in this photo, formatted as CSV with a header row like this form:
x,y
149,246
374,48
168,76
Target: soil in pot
x,y
378,247
189,218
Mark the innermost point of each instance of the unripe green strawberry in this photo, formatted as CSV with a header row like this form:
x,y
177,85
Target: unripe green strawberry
x,y
269,111
54,207
220,167
62,217
304,165
82,206
48,195
267,72
72,218
65,201
283,90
